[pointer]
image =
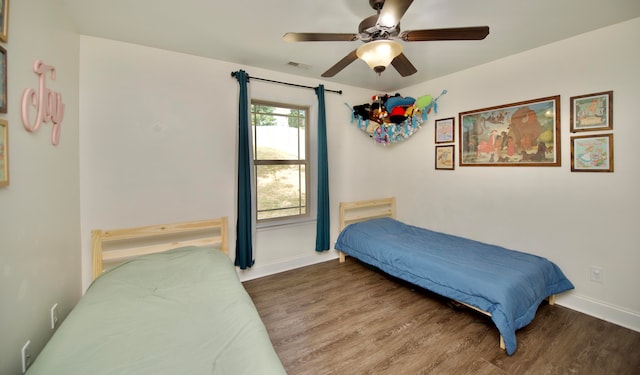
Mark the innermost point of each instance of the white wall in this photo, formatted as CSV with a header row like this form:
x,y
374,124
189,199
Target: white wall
x,y
157,134
40,213
158,145
575,219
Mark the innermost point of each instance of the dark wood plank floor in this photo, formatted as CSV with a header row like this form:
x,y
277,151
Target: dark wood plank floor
x,y
346,318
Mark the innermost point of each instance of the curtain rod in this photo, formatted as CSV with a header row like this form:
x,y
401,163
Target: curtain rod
x,y
233,74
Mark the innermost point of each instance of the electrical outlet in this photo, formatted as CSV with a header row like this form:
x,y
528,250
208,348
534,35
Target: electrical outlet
x,y
597,274
54,316
26,356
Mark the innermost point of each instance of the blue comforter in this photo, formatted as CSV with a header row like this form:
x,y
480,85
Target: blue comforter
x,y
510,285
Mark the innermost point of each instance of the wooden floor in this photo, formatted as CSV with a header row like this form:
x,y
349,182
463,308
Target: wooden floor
x,y
346,318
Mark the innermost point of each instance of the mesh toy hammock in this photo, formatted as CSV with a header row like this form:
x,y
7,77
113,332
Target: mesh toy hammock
x,y
393,132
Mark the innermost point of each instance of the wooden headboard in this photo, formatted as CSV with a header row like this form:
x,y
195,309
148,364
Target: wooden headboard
x,y
353,212
132,242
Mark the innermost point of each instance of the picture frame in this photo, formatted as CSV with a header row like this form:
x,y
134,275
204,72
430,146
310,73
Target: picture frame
x,y
445,157
4,152
445,130
525,133
592,112
3,80
592,153
4,20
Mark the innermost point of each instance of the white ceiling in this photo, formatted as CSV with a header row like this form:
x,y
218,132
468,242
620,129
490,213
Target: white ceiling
x,y
249,32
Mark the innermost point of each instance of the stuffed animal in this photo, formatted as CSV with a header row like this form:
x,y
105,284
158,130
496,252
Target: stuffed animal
x,y
397,115
413,111
381,116
398,100
362,110
423,101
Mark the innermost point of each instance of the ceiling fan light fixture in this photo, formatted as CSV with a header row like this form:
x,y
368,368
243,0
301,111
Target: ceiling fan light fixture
x,y
378,54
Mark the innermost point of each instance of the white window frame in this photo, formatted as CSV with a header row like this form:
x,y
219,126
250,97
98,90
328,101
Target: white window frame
x,y
309,171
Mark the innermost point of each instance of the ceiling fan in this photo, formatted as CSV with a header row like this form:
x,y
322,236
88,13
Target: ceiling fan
x,y
379,33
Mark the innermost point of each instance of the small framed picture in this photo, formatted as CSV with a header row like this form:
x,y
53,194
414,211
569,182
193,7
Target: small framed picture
x,y
4,153
592,112
592,153
445,130
3,80
445,157
4,20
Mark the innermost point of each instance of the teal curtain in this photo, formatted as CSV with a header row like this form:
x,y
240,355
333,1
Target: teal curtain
x,y
323,220
244,227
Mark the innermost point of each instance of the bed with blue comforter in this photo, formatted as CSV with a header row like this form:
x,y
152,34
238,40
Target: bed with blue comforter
x,y
508,285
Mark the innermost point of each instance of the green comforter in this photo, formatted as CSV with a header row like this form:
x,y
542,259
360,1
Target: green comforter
x,y
179,312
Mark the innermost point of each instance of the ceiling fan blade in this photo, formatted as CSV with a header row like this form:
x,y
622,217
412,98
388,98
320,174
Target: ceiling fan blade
x,y
319,37
403,65
351,57
454,33
392,11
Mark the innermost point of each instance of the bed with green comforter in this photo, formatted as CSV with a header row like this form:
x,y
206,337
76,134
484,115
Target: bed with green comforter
x,y
183,311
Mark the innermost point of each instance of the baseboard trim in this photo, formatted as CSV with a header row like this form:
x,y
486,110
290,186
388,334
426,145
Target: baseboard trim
x,y
258,271
601,310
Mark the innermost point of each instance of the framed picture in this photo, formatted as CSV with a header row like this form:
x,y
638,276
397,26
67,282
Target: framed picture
x,y
3,80
518,134
592,153
445,130
4,153
592,112
4,20
445,157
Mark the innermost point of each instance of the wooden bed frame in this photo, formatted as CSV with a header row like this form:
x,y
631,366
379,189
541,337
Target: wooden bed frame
x,y
353,212
132,242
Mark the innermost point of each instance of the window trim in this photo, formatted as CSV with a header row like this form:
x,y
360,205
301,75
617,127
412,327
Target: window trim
x,y
308,154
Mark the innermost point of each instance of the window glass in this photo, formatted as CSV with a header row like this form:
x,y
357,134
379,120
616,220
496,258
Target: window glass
x,y
281,162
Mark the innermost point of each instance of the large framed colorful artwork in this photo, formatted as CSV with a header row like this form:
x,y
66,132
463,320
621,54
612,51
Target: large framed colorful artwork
x,y
525,133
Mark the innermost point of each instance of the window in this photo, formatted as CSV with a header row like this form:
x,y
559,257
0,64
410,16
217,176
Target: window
x,y
280,141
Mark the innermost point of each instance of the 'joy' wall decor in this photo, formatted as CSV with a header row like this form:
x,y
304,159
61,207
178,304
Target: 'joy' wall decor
x,y
47,103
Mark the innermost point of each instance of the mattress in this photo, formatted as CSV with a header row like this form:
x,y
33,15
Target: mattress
x,y
183,311
508,284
